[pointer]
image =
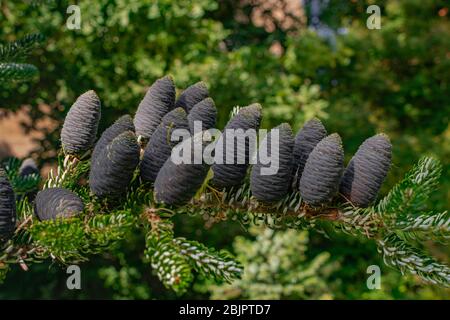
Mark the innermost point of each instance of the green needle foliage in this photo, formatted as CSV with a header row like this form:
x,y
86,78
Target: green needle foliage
x,y
12,55
277,267
397,223
175,260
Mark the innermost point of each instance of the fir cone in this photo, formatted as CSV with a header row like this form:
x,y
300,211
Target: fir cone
x,y
306,139
192,95
176,184
228,175
323,170
367,170
205,112
54,203
112,169
158,101
7,208
80,126
271,188
160,146
28,167
121,125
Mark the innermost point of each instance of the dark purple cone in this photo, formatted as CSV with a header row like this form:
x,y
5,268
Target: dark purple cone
x,y
28,167
160,146
113,168
121,125
271,188
158,101
205,112
367,170
54,203
306,139
176,184
229,175
80,126
7,208
323,170
192,95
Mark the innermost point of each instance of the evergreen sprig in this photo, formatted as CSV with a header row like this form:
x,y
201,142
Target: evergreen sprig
x,y
410,195
15,72
429,225
175,258
399,254
112,202
18,50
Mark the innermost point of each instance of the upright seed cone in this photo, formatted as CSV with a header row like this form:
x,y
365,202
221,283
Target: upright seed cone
x,y
204,112
274,186
192,95
228,175
367,170
121,125
158,101
7,208
323,170
112,169
80,126
160,144
306,139
54,203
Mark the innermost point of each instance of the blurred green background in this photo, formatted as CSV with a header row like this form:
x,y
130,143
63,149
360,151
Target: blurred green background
x,y
357,81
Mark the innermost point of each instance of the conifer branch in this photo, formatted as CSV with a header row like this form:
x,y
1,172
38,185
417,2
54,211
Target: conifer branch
x,y
15,72
398,254
410,195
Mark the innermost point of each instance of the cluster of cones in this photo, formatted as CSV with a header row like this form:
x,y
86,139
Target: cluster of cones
x,y
311,162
